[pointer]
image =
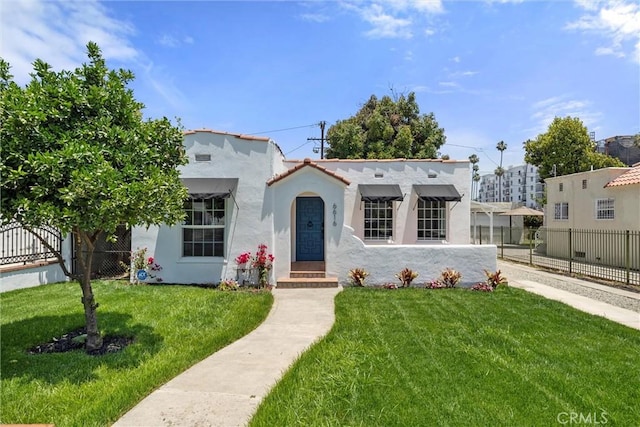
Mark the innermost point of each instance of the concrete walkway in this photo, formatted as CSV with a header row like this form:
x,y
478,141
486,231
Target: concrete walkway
x,y
588,305
226,388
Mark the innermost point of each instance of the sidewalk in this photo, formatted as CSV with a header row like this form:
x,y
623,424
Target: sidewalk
x,y
589,305
226,388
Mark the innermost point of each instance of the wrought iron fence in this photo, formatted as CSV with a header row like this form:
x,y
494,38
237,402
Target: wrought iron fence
x,y
612,255
18,245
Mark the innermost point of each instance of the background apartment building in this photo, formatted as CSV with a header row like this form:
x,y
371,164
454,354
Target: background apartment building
x,y
520,185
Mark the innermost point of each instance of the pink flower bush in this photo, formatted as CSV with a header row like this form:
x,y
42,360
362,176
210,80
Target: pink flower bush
x,y
262,261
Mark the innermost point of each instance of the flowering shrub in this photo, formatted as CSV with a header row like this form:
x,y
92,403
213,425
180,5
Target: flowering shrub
x,y
390,286
450,278
495,279
482,287
357,276
228,285
140,261
434,284
262,261
406,276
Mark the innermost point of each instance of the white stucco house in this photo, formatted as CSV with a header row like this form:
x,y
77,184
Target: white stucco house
x,y
329,216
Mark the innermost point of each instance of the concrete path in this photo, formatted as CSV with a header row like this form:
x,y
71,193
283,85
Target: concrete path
x,y
588,305
226,388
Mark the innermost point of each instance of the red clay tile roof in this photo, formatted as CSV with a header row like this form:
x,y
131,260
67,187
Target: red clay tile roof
x,y
237,135
307,162
632,176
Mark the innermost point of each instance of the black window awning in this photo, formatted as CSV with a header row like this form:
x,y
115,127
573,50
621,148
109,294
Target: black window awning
x,y
210,188
438,192
380,192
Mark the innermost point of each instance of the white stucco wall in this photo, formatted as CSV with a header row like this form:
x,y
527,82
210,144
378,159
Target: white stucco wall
x,y
249,223
406,173
383,262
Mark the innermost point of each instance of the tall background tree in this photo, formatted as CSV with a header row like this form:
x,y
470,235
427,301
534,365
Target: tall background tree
x,y
564,149
501,146
385,129
77,155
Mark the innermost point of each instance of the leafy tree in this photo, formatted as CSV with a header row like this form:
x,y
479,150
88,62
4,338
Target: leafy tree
x,y
564,149
77,155
386,129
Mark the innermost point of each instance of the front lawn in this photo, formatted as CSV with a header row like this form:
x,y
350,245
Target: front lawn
x,y
415,357
174,327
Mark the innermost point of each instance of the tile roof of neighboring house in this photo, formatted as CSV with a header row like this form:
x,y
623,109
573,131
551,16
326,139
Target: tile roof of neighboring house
x,y
237,135
307,162
632,176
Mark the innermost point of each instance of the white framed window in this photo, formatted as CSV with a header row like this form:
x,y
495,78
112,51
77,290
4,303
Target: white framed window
x,y
203,230
378,220
432,220
605,209
584,184
561,211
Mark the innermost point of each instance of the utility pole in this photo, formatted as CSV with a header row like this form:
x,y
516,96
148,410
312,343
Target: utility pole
x,y
321,139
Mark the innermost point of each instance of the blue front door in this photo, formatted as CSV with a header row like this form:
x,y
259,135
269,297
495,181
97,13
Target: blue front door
x,y
309,229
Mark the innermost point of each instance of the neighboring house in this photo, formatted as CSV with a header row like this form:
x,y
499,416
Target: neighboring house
x,y
520,184
380,215
602,199
488,225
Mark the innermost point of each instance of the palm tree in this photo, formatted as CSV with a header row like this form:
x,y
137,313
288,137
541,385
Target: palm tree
x,y
500,147
476,180
499,172
474,161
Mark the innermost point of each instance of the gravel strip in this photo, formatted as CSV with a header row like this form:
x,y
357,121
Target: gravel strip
x,y
520,272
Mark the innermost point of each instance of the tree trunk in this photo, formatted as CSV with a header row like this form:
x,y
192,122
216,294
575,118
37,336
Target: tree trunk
x,y
94,340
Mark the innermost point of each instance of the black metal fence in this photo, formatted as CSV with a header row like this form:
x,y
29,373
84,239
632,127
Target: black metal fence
x,y
611,255
19,246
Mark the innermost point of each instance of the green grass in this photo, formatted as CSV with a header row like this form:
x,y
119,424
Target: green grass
x,y
174,327
414,357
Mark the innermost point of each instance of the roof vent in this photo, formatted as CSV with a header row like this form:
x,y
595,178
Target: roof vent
x,y
203,157
378,175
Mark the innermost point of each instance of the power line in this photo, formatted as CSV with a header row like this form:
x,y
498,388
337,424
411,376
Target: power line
x,y
282,130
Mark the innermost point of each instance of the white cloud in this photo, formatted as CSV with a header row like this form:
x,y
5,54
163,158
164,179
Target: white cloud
x,y
393,18
171,41
561,106
57,32
458,74
314,17
616,21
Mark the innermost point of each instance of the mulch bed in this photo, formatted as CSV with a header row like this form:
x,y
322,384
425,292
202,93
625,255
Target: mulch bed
x,y
66,342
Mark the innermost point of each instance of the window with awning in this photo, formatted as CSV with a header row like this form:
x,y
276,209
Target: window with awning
x,y
380,192
437,193
210,188
203,231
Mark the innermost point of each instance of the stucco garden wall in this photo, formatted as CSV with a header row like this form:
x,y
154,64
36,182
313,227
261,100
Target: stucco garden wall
x,y
27,276
383,262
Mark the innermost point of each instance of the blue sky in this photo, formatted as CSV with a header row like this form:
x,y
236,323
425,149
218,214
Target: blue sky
x,y
488,70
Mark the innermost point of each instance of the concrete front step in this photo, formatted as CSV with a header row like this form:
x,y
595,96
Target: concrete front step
x,y
307,282
307,274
